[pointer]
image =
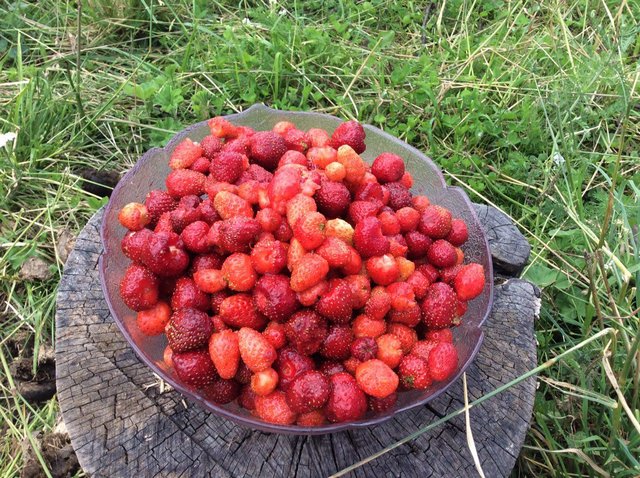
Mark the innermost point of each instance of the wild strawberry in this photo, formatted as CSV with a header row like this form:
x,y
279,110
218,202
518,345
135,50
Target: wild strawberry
x,y
194,237
459,256
422,348
414,372
359,210
243,375
139,288
430,272
380,405
410,316
418,244
284,233
458,234
469,282
332,198
364,348
441,335
294,253
210,146
329,368
360,290
306,330
266,148
247,398
236,234
188,329
379,303
221,128
308,391
398,246
268,219
164,223
337,344
368,239
335,171
351,364
314,418
135,244
462,308
308,271
354,264
388,167
194,367
185,154
208,212
290,364
389,223
399,196
225,353
228,205
322,156
407,335
184,182
443,361
209,280
238,271
340,229
275,334
299,206
375,378
273,408
274,298
222,391
383,270
296,140
187,211
216,300
134,216
420,203
158,202
239,311
368,191
268,257
439,306
419,284
286,183
402,295
318,137
153,321
310,296
205,261
441,254
256,351
407,180
351,133
218,324
389,349
335,251
227,166
449,274
213,187
353,164
365,326
264,382
337,303
408,218
188,295
435,222
347,402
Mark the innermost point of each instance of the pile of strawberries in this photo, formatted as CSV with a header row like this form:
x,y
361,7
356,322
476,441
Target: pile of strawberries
x,y
291,276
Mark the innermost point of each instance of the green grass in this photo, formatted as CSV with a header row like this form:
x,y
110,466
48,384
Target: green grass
x,y
532,107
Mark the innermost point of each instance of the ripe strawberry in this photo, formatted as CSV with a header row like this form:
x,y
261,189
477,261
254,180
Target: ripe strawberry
x,y
213,187
459,256
225,353
389,223
414,372
397,246
335,251
264,382
314,418
268,257
194,237
310,296
354,264
239,311
375,378
318,137
216,300
351,133
184,182
228,166
329,368
337,303
458,234
274,409
420,203
389,349
164,223
340,229
281,127
185,154
309,230
243,375
134,216
469,282
388,167
351,364
365,326
284,186
354,166
284,233
266,148
210,146
364,348
380,405
297,140
406,267
410,316
194,367
443,361
290,364
308,391
399,196
236,234
256,351
462,308
360,290
408,218
441,335
368,191
187,211
430,272
322,156
167,356
379,303
347,402
435,222
221,128
439,307
407,335
308,271
187,295
208,212
139,288
335,171
268,219
218,324
257,173
229,205
274,298
402,295
406,180
294,253
237,270
201,165
449,274
359,210
337,344
275,334
417,243
153,321
158,202
422,348
419,283
306,330
442,254
205,261
247,398
368,239
135,244
188,329
222,391
332,198
383,270
299,206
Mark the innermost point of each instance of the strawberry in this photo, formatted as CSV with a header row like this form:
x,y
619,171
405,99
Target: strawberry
x,y
407,335
402,295
407,180
335,251
284,233
247,398
355,167
398,246
419,283
225,353
337,303
399,196
354,264
237,145
228,166
379,303
335,171
329,368
430,272
167,356
406,267
294,253
347,402
296,140
210,146
309,230
256,351
208,212
439,306
237,270
205,261
194,367
318,137
264,382
443,361
368,191
388,168
209,280
351,133
410,316
135,244
308,391
351,364
275,334
299,206
314,418
274,408
449,274
458,234
375,378
216,300
268,219
194,237
134,216
274,298
322,156
284,185
213,187
358,210
268,257
222,391
184,182
218,324
187,295
221,128
360,290
185,154
408,218
469,282
237,234
243,375
365,326
389,349
266,148
414,372
164,223
201,165
368,239
337,344
290,364
251,191
257,173
228,205
435,222
308,271
441,335
239,311
310,296
420,203
462,308
158,202
187,211
364,348
442,254
383,270
422,348
332,198
340,229
380,405
389,223
153,321
188,329
306,330
139,288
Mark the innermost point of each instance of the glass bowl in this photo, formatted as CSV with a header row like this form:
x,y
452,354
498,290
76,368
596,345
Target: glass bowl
x,y
150,173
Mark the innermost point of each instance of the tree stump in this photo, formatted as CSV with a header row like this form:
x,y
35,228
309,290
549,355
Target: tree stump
x,y
122,423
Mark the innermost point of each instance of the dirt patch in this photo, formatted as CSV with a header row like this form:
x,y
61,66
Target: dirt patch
x,y
56,450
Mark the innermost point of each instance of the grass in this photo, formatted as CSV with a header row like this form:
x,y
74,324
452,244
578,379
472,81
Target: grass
x,y
530,106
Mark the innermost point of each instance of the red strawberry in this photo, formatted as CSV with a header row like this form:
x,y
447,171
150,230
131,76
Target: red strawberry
x,y
379,303
309,230
256,351
306,330
439,307
185,154
318,137
229,205
295,252
337,344
221,128
257,173
388,167
266,148
314,418
281,127
153,321
417,243
389,223
347,402
299,206
274,408
410,316
275,334
414,372
205,261
243,375
274,298
135,244
406,180
239,311
368,239
458,234
333,198
365,326
187,211
227,166
167,356
389,349
237,234
209,280
237,270
430,272
250,191
225,353
375,378
201,165
383,270
355,167
335,251
159,202
194,367
210,146
134,216
351,364
399,196
237,145
194,237
308,271
358,210
443,361
449,274
442,254
402,295
184,182
264,382
268,219
369,191
364,348
216,300
380,405
222,391
329,368
469,282
337,303
419,283
290,364
406,267
188,329
164,223
187,294
297,140
408,218
407,335
310,296
139,288
354,264
247,398
360,290
435,222
351,133
398,246
308,391
422,348
268,257
322,156
441,335
284,233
